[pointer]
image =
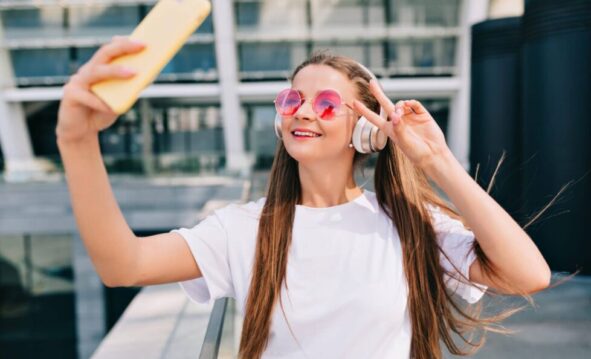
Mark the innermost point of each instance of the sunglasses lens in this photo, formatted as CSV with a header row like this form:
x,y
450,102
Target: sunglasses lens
x,y
287,102
327,103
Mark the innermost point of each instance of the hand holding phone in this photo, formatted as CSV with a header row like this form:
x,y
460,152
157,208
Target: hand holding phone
x,y
163,31
82,115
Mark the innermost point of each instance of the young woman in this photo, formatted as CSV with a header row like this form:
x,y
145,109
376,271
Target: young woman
x,y
357,274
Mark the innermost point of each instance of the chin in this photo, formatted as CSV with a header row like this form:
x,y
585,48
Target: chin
x,y
302,154
310,154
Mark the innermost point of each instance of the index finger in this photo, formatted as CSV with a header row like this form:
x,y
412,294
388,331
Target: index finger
x,y
118,47
379,94
371,116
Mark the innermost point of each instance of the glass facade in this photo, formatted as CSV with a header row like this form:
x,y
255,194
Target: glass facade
x,y
182,138
193,62
259,134
262,58
29,63
37,313
392,37
26,22
68,35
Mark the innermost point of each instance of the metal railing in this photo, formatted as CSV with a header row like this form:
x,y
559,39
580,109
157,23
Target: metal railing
x,y
213,335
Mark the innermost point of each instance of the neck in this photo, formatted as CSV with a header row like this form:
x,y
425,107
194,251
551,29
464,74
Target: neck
x,y
327,185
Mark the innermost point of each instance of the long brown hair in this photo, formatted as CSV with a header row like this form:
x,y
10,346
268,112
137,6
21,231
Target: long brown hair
x,y
402,191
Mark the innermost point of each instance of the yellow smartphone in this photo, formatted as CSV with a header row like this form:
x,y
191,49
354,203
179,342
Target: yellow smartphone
x,y
164,30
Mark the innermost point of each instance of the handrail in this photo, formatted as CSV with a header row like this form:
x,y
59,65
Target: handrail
x,y
213,334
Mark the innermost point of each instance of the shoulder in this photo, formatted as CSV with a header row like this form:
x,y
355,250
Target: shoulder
x,y
371,199
443,222
241,211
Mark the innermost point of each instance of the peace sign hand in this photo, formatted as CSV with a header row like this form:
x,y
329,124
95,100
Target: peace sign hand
x,y
409,125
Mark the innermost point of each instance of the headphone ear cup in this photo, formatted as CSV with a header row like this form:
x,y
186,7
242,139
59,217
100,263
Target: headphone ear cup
x,y
367,137
277,126
358,134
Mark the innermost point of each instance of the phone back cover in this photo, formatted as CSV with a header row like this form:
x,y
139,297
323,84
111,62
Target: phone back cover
x,y
164,30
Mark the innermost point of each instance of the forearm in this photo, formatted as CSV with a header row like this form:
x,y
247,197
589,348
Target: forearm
x,y
502,239
109,241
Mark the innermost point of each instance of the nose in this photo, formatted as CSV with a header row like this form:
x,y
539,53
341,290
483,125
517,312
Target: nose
x,y
305,112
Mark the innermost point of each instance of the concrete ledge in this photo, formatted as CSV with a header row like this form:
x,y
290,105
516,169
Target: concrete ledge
x,y
160,322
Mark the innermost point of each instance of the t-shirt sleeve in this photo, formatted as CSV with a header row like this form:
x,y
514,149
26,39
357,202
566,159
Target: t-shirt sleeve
x,y
456,241
208,243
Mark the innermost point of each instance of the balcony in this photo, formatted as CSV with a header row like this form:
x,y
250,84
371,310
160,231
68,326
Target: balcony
x,y
162,322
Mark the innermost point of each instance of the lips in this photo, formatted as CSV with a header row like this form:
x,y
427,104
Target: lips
x,y
302,132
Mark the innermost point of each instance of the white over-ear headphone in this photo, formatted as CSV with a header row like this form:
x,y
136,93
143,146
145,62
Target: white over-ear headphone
x,y
367,137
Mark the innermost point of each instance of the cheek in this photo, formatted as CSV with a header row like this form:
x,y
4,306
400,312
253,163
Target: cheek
x,y
339,134
346,129
286,124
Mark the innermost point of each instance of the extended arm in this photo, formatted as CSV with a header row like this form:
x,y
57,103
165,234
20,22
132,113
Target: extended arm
x,y
503,241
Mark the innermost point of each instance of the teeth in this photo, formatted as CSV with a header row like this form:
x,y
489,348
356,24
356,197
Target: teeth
x,y
309,134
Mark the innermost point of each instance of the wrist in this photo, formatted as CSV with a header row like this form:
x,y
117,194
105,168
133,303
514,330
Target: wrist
x,y
65,141
440,166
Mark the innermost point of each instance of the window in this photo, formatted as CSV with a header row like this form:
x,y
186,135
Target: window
x,y
37,312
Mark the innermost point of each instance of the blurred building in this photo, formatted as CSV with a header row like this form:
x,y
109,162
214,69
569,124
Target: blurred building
x,y
211,107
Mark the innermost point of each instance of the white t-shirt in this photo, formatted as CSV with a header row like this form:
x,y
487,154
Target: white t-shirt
x,y
347,294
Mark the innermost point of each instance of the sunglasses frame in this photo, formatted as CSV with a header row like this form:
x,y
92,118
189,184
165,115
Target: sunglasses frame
x,y
314,99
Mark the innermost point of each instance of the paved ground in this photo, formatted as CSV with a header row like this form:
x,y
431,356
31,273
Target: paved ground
x,y
560,326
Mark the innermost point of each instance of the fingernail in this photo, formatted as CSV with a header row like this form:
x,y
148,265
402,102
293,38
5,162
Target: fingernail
x,y
126,71
138,42
394,117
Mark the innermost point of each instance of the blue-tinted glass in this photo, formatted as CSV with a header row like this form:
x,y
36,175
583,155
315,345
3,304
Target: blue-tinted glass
x,y
206,27
347,13
85,53
40,62
260,132
247,14
422,54
442,13
207,140
192,57
104,16
25,18
425,12
271,15
37,297
265,56
448,51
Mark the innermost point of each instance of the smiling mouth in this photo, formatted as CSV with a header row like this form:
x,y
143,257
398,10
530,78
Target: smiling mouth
x,y
305,134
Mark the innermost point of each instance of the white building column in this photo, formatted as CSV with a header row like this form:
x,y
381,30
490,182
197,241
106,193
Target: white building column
x,y
227,66
505,8
20,162
471,12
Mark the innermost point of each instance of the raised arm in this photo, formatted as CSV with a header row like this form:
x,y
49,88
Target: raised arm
x,y
120,257
504,242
